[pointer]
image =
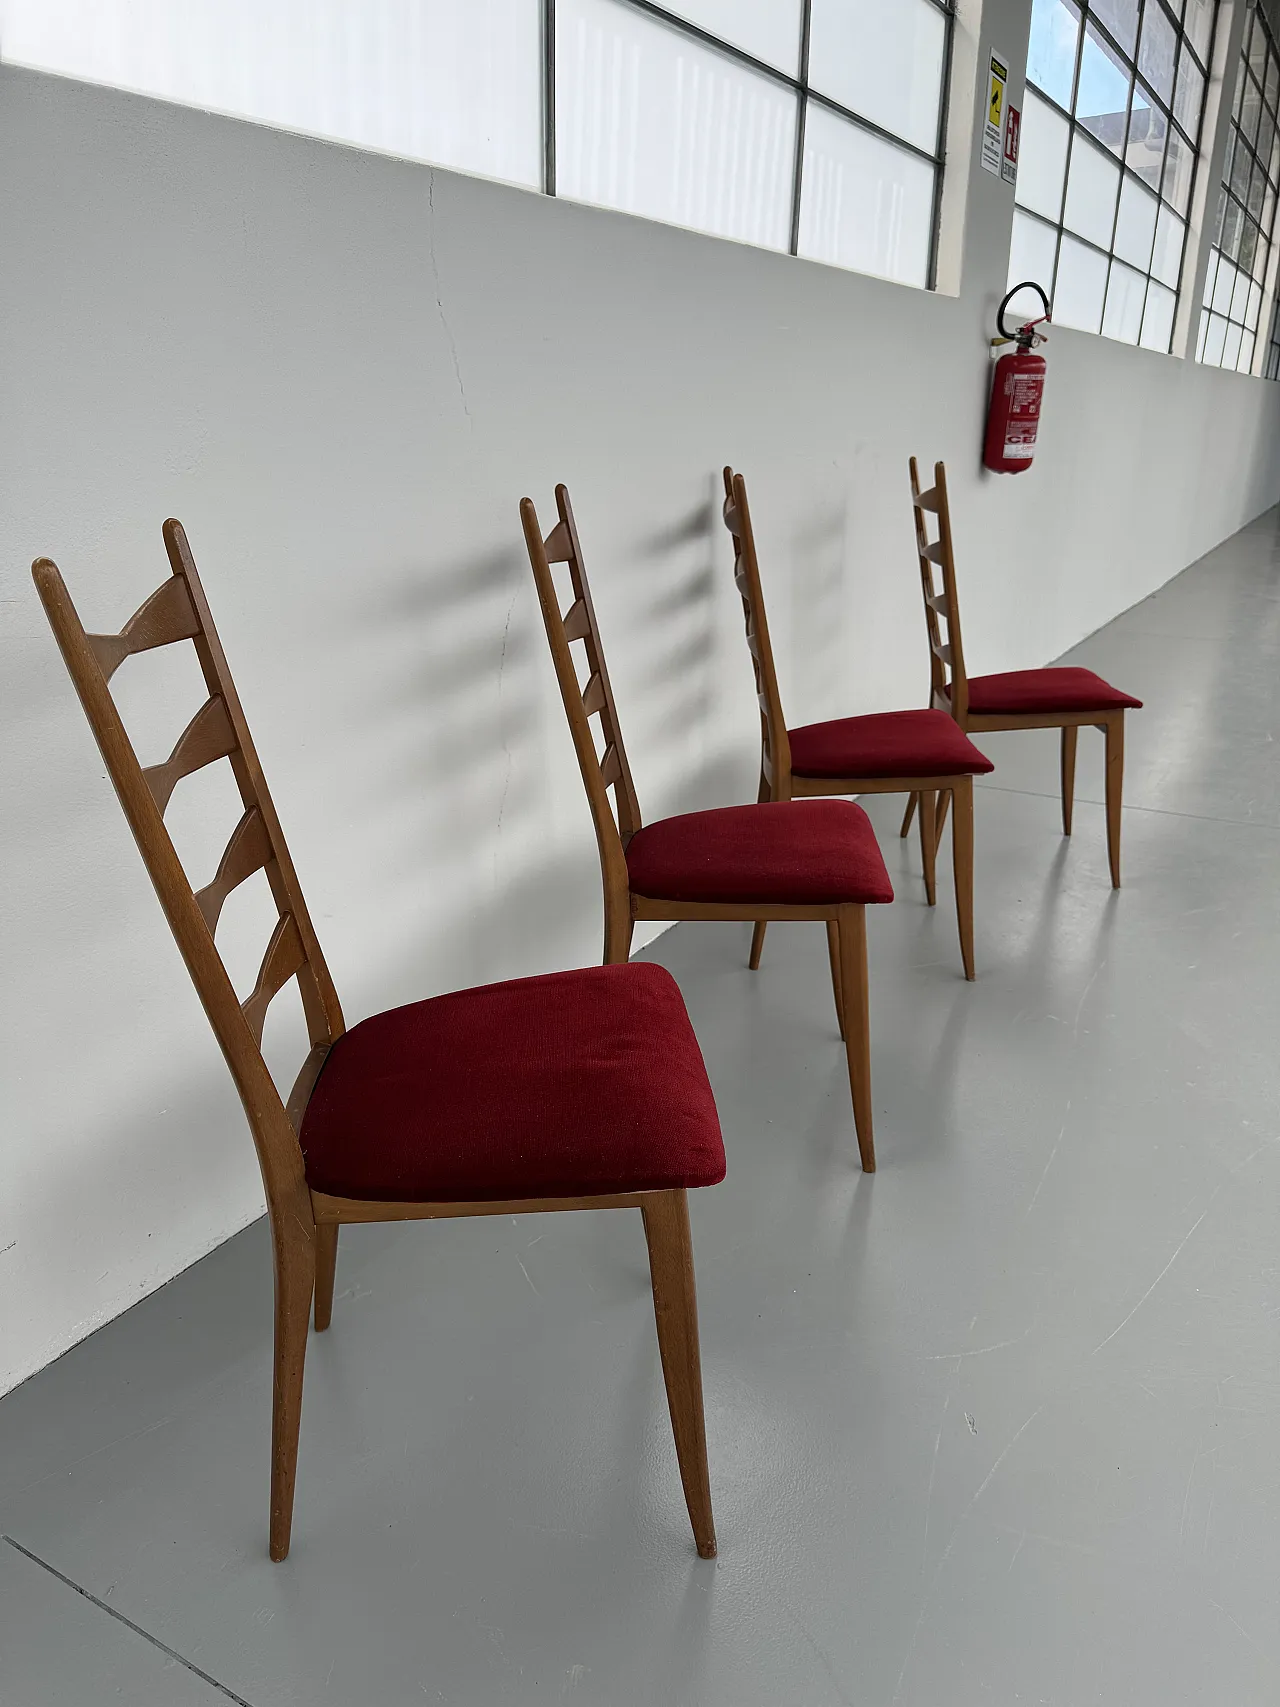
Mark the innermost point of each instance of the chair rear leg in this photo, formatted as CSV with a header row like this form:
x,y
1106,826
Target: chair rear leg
x,y
853,988
757,944
929,845
326,1267
962,861
1114,730
295,1281
619,927
833,950
913,801
940,823
1069,736
675,1309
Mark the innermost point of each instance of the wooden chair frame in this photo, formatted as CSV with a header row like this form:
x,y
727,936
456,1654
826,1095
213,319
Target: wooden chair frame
x,y
949,680
305,1223
778,781
609,771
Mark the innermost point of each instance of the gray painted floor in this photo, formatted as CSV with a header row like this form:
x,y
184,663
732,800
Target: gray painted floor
x,y
999,1425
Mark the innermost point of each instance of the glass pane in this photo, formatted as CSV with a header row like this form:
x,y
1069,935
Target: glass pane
x,y
1157,320
1231,346
649,121
1253,305
1093,181
1245,364
1031,256
1121,18
1135,225
1240,297
1102,99
1080,287
1241,167
1266,136
1051,54
766,29
1232,220
1204,327
1198,23
1268,209
1042,158
1213,341
1272,84
1223,286
1144,152
457,85
1179,164
865,204
1209,277
1257,190
1250,108
1166,259
1255,43
1156,50
1126,294
1190,94
882,62
1248,244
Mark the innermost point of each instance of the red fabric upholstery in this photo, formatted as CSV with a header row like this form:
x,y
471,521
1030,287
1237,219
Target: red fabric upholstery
x,y
570,1085
793,852
1064,688
888,743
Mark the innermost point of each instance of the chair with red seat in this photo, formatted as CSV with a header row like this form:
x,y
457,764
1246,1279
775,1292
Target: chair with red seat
x,y
888,752
573,1091
1060,697
810,859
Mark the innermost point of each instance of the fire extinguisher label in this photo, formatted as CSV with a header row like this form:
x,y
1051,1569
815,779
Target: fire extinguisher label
x,y
1024,391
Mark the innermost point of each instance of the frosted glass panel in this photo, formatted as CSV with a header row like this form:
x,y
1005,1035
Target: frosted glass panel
x,y
1245,364
1126,294
1093,180
1166,261
432,79
1254,304
1231,346
1224,286
1136,224
1031,256
1214,340
1157,321
883,60
766,29
1082,283
651,122
865,204
1042,162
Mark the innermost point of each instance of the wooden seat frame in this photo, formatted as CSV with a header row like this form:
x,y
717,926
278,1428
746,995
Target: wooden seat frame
x,y
610,771
304,1223
779,782
949,681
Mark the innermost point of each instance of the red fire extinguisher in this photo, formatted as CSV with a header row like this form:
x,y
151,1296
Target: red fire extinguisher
x,y
1016,390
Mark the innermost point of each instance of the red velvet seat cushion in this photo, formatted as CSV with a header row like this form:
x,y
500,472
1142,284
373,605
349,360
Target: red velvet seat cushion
x,y
794,852
887,743
1063,688
569,1085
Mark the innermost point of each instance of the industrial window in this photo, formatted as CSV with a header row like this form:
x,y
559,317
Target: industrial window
x,y
1110,136
1242,260
808,126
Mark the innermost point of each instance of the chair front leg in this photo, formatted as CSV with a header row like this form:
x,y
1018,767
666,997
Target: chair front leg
x,y
940,824
326,1268
929,844
913,800
675,1309
1069,736
852,923
962,862
1114,731
757,944
294,1249
833,951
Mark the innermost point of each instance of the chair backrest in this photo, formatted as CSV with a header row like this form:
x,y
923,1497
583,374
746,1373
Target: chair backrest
x,y
175,612
948,680
615,823
775,747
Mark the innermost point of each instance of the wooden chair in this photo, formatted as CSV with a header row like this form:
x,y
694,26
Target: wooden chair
x,y
887,752
579,1090
1061,697
804,860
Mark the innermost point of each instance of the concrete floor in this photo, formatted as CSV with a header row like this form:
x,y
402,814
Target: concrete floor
x,y
999,1425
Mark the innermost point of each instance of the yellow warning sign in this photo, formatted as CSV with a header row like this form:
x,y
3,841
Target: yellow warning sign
x,y
993,127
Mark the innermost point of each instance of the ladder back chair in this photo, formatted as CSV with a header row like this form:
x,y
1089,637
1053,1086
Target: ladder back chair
x,y
1058,697
574,1091
887,752
776,860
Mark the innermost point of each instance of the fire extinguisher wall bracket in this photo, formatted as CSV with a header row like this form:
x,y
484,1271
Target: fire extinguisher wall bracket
x,y
1017,387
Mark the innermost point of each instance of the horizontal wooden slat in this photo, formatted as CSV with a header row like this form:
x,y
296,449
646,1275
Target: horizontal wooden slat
x,y
285,957
938,602
929,500
165,617
731,516
943,652
577,624
593,696
248,851
935,552
207,738
558,545
611,766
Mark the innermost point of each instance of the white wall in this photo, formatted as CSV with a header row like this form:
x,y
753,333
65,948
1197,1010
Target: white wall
x,y
342,372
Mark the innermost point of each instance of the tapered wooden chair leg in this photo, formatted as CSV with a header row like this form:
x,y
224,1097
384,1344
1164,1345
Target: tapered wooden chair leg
x,y
857,1039
929,845
295,1279
675,1308
619,928
912,802
1115,791
962,861
326,1268
1069,737
940,821
833,950
757,944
